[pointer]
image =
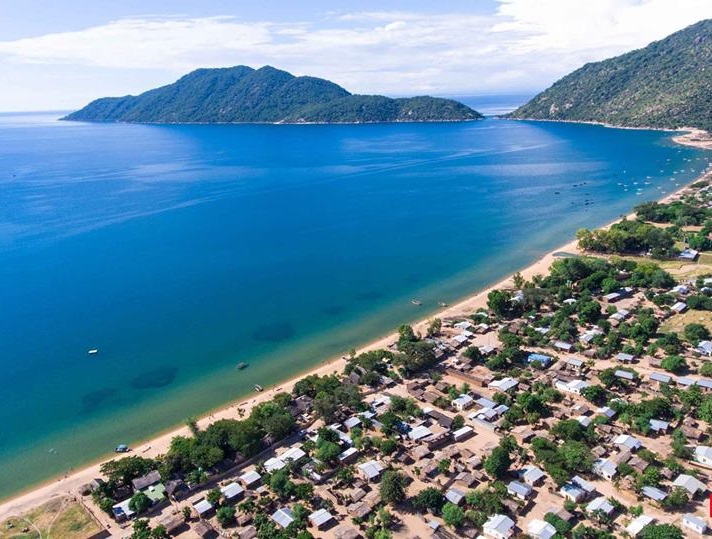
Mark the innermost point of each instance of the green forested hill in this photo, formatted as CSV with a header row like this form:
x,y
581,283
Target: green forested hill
x,y
666,84
269,95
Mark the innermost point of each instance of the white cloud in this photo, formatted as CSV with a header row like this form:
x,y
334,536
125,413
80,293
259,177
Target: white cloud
x,y
523,44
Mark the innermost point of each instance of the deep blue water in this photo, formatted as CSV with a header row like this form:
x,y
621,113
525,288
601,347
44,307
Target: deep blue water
x,y
180,251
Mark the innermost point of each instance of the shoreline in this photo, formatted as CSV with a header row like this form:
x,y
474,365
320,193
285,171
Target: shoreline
x,y
158,443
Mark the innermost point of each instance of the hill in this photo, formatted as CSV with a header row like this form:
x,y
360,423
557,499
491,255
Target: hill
x,y
667,84
267,95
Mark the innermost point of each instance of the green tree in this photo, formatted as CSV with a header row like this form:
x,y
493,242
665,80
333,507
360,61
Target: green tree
x,y
139,502
498,463
128,468
661,531
226,516
595,394
453,515
675,364
434,327
214,496
694,333
429,499
392,487
676,499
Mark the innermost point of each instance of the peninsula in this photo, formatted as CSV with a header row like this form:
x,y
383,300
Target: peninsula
x,y
667,84
267,95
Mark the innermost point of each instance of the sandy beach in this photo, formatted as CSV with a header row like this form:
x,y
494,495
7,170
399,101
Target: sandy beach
x,y
70,484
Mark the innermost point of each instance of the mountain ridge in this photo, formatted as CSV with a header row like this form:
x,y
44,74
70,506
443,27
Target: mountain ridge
x,y
667,85
242,94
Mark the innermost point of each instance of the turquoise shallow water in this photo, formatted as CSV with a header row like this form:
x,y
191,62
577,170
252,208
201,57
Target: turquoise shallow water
x,y
180,251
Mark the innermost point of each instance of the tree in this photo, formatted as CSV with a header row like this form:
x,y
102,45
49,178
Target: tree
x,y
694,333
141,530
393,486
676,499
128,468
562,527
453,515
661,531
226,516
213,496
675,364
139,502
706,368
499,302
434,327
281,484
498,463
430,499
595,394
328,452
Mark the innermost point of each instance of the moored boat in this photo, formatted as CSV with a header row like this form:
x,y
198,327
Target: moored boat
x,y
258,387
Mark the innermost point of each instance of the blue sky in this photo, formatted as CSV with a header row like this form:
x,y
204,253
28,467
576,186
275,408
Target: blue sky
x,y
59,55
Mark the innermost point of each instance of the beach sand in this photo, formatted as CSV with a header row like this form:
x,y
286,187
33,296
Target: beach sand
x,y
70,484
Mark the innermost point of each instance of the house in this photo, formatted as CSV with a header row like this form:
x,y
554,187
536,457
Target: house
x,y
583,421
463,402
688,254
703,455
519,490
625,358
344,531
274,464
531,475
705,348
498,527
176,489
600,504
574,364
691,484
636,526
679,307
628,442
122,511
573,386
283,517
539,529
563,346
320,519
455,496
419,432
503,385
352,422
232,491
625,375
151,478
542,359
573,492
606,411
463,434
660,378
204,529
654,493
174,524
605,468
203,507
371,470
658,426
250,479
694,523
584,485
349,455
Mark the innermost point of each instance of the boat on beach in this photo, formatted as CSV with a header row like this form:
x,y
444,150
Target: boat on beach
x,y
258,387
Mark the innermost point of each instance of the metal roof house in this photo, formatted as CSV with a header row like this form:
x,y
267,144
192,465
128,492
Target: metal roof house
x,y
371,470
690,484
320,518
636,526
519,490
600,504
694,523
283,517
232,491
627,441
498,527
654,493
539,529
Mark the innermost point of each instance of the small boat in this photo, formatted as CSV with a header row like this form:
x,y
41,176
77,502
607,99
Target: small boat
x,y
258,387
241,365
121,448
442,303
416,302
93,351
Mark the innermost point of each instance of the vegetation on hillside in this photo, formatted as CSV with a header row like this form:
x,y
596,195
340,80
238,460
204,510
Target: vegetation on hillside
x,y
267,95
666,84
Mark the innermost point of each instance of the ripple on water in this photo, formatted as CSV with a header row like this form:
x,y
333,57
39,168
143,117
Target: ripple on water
x,y
160,377
277,332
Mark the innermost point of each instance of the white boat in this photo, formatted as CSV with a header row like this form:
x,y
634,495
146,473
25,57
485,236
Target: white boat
x,y
93,351
416,302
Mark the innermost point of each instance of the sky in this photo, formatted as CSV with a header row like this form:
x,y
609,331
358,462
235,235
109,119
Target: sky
x,y
61,55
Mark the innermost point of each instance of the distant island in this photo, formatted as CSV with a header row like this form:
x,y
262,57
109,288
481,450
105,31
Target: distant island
x,y
267,95
667,84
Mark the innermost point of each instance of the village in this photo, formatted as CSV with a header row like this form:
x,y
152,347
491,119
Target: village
x,y
576,404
